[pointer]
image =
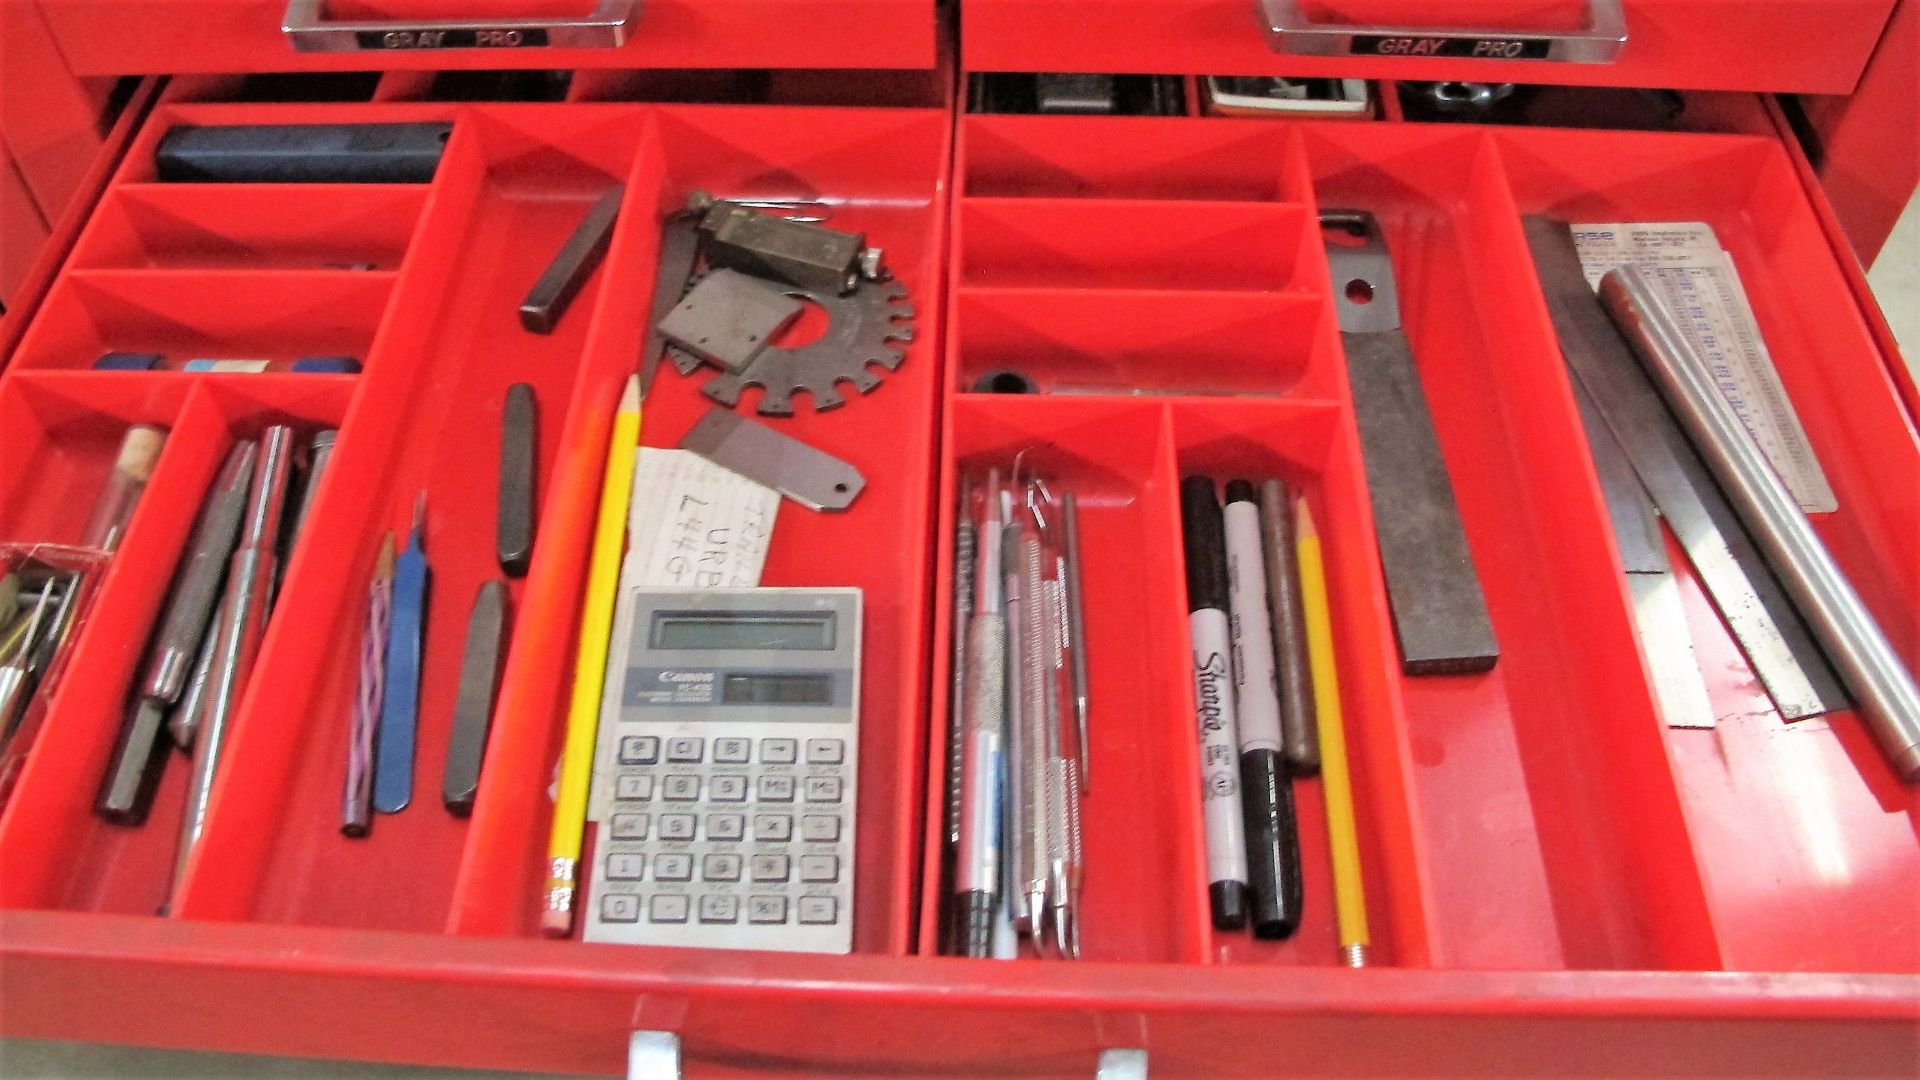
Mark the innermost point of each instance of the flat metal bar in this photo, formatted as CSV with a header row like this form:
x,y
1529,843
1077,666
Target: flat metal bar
x,y
1776,642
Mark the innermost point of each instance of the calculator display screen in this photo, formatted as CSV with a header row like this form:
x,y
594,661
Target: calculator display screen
x,y
735,630
743,688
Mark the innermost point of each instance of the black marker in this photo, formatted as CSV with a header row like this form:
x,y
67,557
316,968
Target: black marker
x,y
1214,702
1273,836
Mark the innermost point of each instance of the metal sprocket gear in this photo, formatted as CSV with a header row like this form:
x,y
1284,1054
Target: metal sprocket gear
x,y
863,328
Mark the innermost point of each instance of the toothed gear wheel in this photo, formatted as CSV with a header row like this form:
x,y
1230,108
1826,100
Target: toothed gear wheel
x,y
865,329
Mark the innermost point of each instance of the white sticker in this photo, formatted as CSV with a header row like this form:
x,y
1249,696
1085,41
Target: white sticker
x,y
691,524
1703,288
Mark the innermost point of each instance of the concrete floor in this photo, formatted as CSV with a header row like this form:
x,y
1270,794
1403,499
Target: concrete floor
x,y
1896,279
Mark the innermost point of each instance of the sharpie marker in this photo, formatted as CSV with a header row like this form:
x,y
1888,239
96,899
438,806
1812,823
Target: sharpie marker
x,y
1273,835
1214,702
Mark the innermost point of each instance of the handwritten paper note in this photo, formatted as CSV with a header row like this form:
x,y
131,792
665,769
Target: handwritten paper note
x,y
692,525
696,525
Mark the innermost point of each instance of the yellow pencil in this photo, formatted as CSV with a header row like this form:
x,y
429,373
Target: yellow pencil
x,y
590,667
1349,892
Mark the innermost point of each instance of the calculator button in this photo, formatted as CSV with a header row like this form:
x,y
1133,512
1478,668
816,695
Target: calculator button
x,y
667,908
767,909
720,867
727,789
719,908
815,828
776,789
731,751
778,751
681,788
623,866
769,868
673,866
826,751
726,826
633,787
813,910
819,868
685,748
639,749
629,826
774,827
620,907
676,826
823,789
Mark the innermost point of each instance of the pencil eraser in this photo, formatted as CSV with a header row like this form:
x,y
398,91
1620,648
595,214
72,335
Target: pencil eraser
x,y
326,365
127,361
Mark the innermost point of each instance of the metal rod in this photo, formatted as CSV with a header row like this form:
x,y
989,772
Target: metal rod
x,y
1076,640
1868,666
249,579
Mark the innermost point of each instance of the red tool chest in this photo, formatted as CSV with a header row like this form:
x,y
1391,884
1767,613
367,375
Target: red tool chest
x,y
1557,883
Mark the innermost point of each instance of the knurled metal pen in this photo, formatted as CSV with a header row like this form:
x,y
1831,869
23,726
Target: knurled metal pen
x,y
1046,820
1021,814
977,866
964,545
196,590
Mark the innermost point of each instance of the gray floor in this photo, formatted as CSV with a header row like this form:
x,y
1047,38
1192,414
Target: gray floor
x,y
1896,279
28,1059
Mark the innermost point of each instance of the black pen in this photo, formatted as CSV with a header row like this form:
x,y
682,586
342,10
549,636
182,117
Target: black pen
x,y
1273,836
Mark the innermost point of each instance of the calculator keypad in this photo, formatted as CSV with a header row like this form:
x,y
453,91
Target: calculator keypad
x,y
739,840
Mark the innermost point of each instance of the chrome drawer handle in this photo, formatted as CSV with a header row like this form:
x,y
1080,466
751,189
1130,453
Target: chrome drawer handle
x,y
1599,42
309,29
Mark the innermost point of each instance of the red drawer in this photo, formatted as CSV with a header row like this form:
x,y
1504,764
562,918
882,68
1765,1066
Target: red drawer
x,y
113,37
1557,882
1679,44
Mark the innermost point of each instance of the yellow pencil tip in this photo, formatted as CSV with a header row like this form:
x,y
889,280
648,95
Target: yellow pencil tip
x,y
630,397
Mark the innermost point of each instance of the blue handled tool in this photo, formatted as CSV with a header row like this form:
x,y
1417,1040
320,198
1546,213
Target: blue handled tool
x,y
400,698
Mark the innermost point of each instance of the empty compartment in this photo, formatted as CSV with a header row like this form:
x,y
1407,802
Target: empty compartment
x,y
1790,822
1122,157
1144,894
877,172
1307,448
66,855
252,227
1131,243
269,320
1136,341
1591,863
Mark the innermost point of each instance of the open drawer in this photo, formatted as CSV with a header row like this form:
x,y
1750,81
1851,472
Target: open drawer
x,y
1677,44
1557,883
